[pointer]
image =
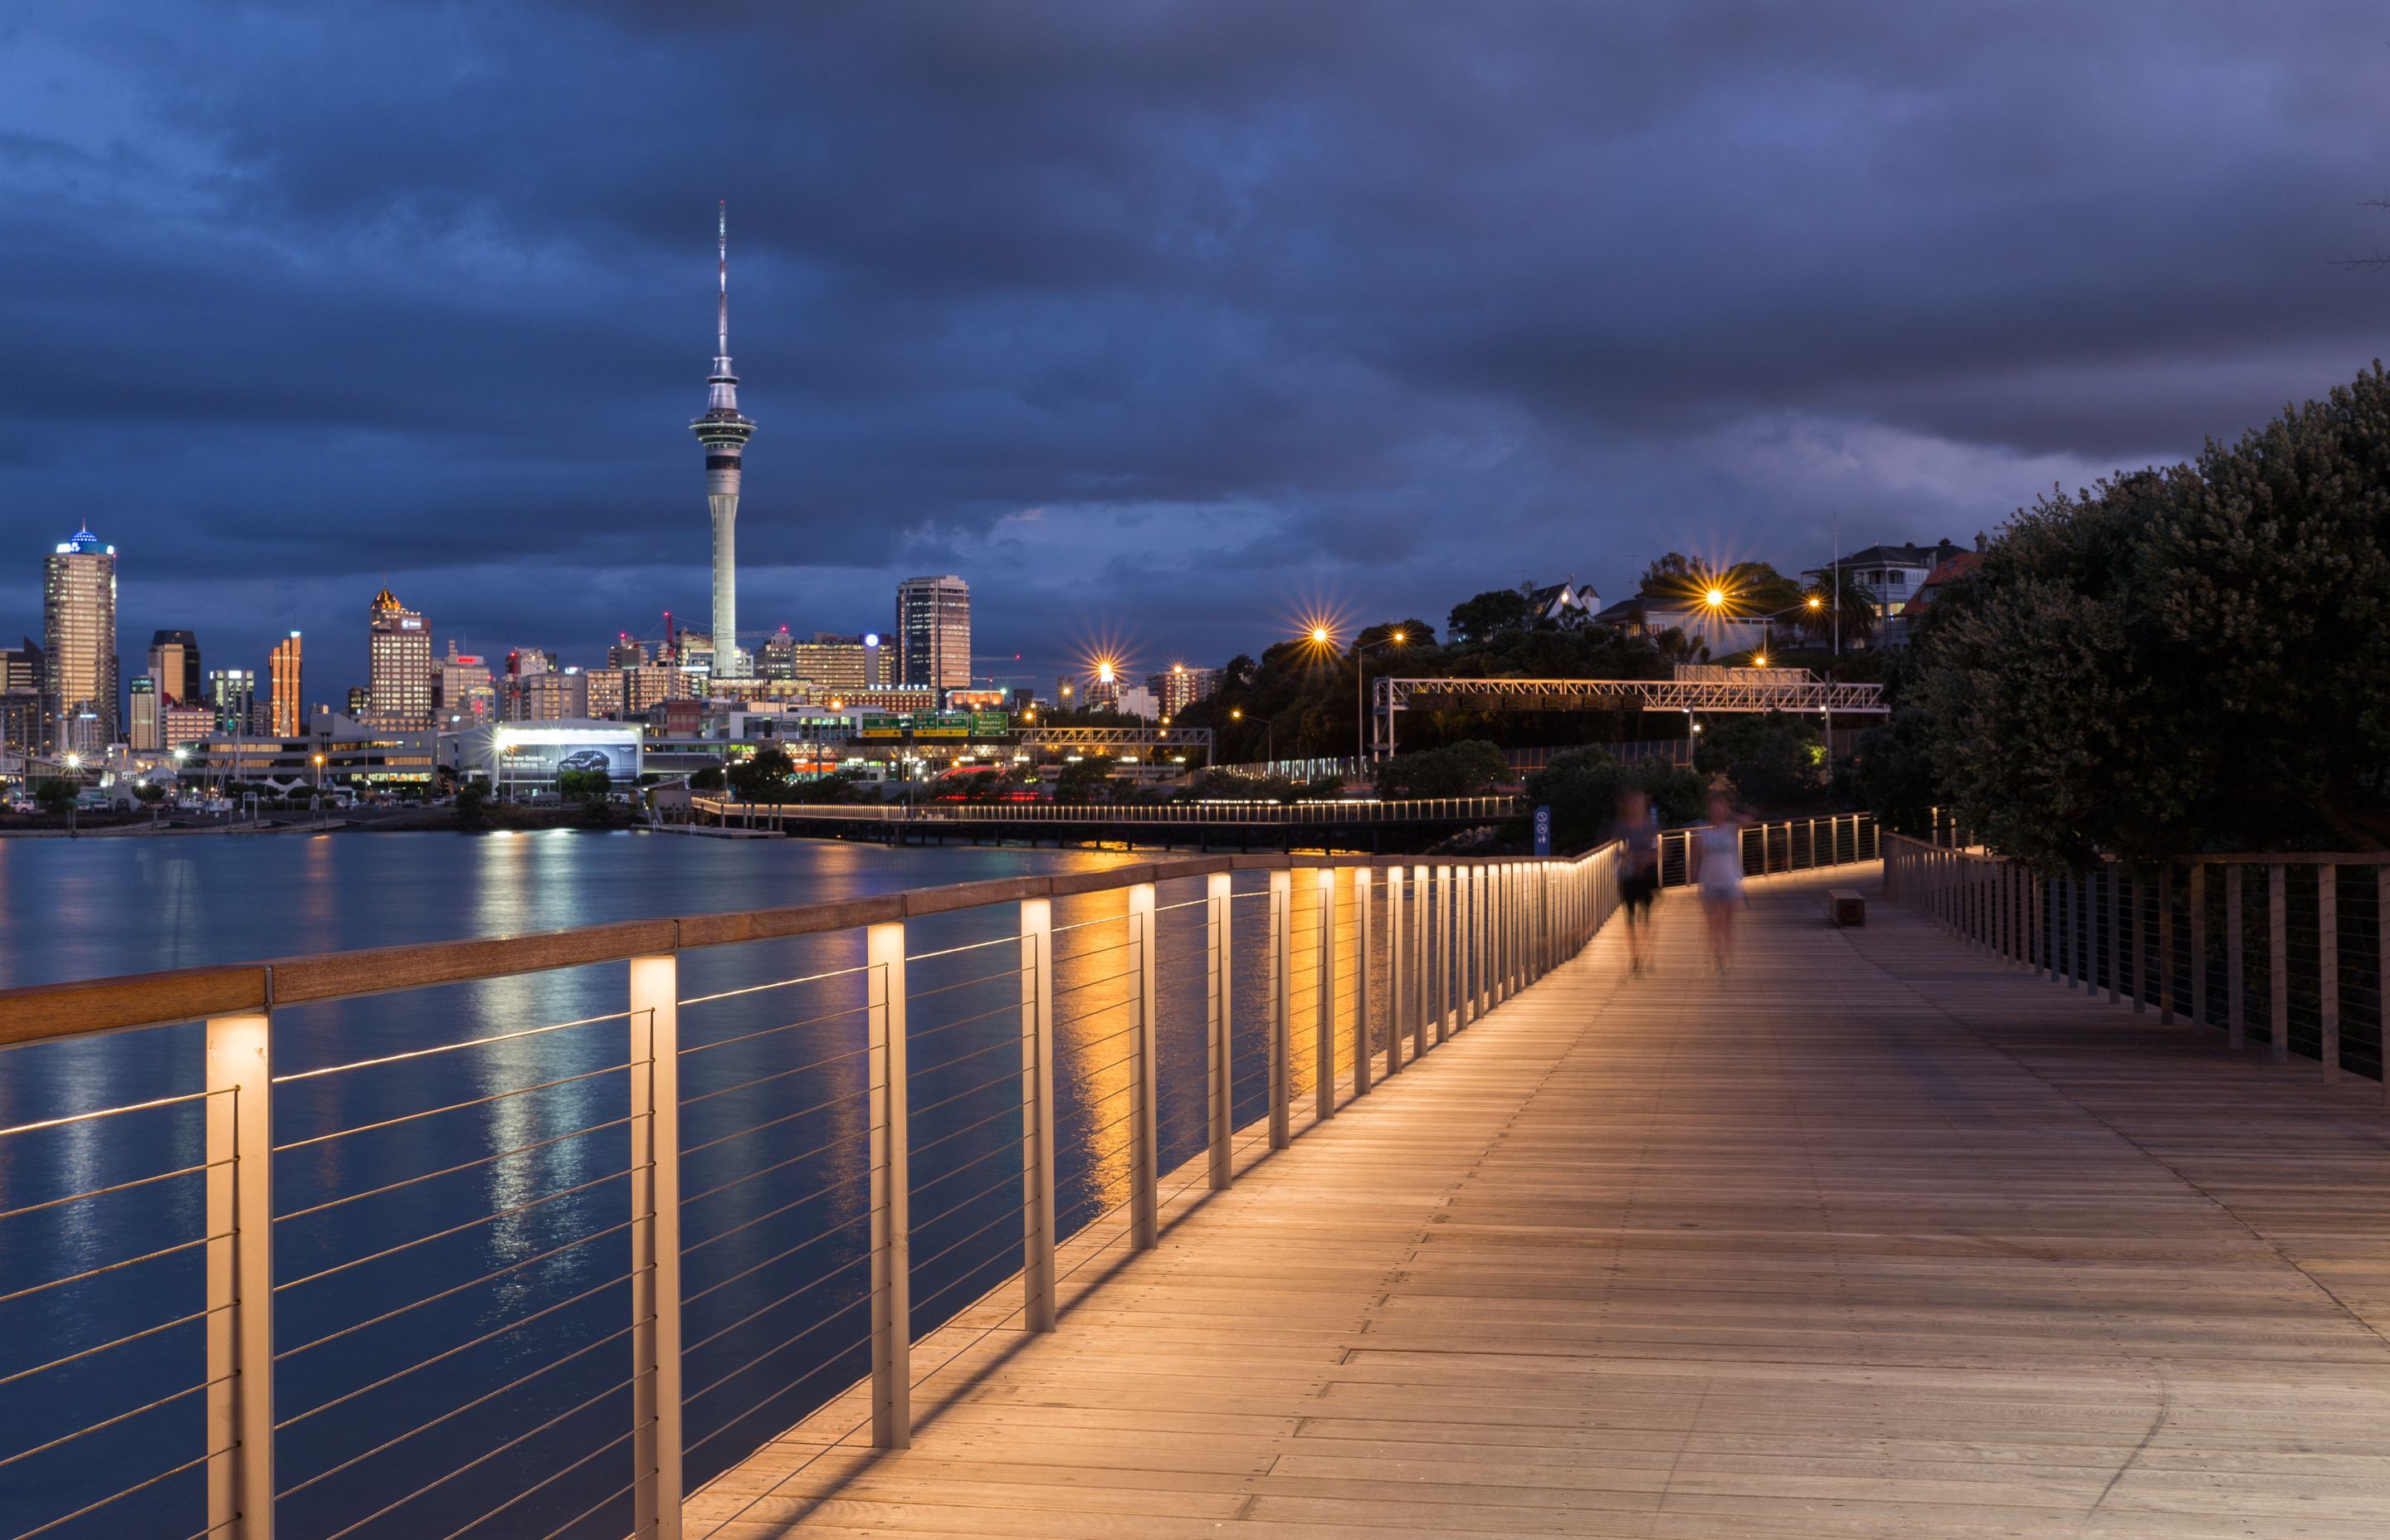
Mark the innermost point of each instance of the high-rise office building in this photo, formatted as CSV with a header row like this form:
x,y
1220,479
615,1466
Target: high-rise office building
x,y
1180,686
141,714
21,667
725,434
232,695
627,653
462,685
934,632
175,663
286,718
79,641
398,666
180,726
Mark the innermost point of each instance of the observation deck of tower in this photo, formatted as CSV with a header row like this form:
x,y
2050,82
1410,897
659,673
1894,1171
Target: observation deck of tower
x,y
725,434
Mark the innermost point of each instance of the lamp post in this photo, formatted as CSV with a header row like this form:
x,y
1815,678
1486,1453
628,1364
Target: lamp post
x,y
1269,732
74,778
1360,693
319,789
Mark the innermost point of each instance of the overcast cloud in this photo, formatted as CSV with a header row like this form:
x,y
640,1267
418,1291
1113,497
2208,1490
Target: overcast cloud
x,y
1159,322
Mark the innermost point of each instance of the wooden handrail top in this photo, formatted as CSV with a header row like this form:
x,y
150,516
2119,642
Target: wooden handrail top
x,y
38,1012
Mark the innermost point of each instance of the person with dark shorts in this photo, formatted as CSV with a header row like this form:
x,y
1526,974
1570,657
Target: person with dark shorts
x,y
1639,871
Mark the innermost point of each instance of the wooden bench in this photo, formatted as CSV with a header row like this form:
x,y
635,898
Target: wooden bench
x,y
1845,906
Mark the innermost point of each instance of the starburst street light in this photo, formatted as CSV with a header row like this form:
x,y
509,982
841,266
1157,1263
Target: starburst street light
x,y
1715,599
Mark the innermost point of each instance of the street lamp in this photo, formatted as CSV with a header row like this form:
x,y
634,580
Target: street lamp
x,y
319,789
1360,692
74,768
1269,732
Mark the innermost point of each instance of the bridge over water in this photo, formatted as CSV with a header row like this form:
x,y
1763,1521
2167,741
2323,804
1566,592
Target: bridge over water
x,y
1390,1205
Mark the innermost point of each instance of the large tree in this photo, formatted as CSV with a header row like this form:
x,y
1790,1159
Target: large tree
x,y
2178,660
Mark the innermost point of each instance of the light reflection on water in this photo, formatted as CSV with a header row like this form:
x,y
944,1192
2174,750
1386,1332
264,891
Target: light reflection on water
x,y
777,1177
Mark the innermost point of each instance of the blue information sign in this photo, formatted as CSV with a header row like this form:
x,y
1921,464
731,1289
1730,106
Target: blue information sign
x,y
1543,831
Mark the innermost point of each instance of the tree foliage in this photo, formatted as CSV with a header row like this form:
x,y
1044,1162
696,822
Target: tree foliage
x,y
764,775
54,796
1774,760
2177,660
1581,787
1467,769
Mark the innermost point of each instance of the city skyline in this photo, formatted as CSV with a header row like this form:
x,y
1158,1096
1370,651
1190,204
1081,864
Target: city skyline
x,y
1165,382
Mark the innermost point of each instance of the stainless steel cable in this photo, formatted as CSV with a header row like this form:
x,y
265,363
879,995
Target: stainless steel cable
x,y
120,1186
515,1383
687,1150
814,1240
458,1106
776,1074
459,1229
489,1336
449,1047
798,1292
765,1032
457,1289
778,983
451,1171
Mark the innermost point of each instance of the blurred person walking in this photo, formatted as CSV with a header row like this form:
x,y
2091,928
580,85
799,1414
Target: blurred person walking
x,y
1638,873
1717,869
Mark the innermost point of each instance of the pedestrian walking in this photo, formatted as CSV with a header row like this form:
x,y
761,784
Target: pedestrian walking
x,y
1717,869
1638,873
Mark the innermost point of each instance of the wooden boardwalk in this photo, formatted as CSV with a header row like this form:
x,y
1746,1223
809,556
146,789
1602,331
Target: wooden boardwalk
x,y
1873,1236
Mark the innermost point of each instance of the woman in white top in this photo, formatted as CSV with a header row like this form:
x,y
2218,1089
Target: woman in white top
x,y
1718,866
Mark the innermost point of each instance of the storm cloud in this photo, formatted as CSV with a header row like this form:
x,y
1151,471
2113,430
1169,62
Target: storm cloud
x,y
1159,322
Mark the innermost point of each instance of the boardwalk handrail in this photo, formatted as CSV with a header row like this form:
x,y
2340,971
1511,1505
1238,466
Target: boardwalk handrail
x,y
1784,845
1372,963
2161,934
1227,813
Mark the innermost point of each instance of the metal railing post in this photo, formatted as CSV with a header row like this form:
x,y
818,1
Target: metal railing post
x,y
1447,972
1323,1014
1398,983
239,1273
1423,957
1217,1034
2277,976
2382,950
2236,997
1145,1178
1465,953
1364,955
892,1185
2328,962
655,1246
2195,905
1037,1113
2165,943
1281,1036
2114,879
2134,970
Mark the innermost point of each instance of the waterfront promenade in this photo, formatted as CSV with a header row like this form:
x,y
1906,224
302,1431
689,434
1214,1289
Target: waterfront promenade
x,y
1877,1235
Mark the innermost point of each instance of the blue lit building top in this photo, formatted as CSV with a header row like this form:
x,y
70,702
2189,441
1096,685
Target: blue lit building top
x,y
84,544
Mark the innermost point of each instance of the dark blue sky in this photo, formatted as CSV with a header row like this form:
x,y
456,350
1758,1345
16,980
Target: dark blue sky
x,y
1159,322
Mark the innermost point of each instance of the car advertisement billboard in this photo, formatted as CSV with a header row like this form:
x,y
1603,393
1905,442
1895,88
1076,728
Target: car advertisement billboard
x,y
531,754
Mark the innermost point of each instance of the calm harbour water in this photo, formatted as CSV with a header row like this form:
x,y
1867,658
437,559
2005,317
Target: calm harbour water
x,y
451,1327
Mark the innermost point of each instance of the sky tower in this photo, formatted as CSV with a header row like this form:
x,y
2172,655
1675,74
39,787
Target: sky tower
x,y
725,433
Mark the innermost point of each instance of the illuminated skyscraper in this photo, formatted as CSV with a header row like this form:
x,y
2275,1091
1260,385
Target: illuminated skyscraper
x,y
934,632
175,663
288,718
398,666
79,640
725,433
